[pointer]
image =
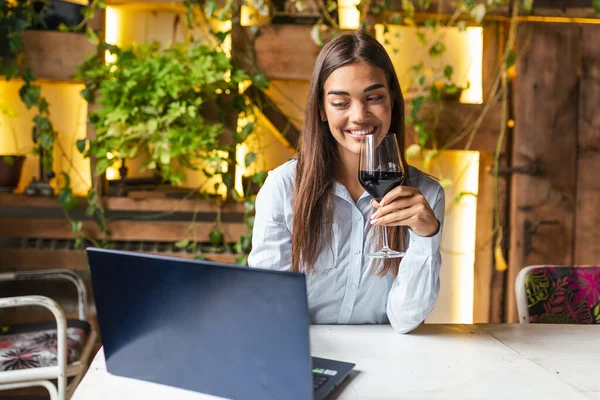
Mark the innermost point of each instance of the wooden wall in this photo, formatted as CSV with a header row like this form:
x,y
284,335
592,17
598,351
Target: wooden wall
x,y
555,214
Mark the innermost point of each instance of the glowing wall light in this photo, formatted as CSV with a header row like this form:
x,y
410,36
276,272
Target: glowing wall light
x,y
464,53
68,113
348,14
461,168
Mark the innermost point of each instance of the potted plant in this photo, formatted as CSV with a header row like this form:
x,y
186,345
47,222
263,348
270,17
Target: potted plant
x,y
172,106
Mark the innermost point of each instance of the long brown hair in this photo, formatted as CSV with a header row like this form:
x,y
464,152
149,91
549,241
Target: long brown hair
x,y
317,154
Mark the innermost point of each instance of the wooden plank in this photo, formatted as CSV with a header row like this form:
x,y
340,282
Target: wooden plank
x,y
127,230
484,240
546,109
282,51
40,259
276,116
491,57
127,204
36,259
587,235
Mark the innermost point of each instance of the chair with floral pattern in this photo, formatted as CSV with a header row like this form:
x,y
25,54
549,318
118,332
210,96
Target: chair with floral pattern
x,y
559,294
36,354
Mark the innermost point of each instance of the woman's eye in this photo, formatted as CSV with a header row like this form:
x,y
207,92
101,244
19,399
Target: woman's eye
x,y
375,99
339,104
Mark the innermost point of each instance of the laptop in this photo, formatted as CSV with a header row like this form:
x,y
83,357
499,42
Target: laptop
x,y
225,330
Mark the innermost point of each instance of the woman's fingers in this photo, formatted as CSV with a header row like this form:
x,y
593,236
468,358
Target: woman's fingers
x,y
400,216
397,192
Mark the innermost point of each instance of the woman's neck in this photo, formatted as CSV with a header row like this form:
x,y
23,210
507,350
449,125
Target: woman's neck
x,y
348,174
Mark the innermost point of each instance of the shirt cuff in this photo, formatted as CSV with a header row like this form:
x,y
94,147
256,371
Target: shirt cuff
x,y
425,245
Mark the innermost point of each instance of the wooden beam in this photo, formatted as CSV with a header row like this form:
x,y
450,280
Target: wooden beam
x,y
484,241
126,204
277,117
587,235
546,110
40,259
126,230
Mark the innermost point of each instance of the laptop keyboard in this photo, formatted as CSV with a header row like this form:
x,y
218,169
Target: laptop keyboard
x,y
318,381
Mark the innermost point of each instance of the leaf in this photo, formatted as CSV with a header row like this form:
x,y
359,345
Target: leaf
x,y
249,159
316,36
242,260
421,38
92,36
182,244
259,178
499,258
30,94
462,26
511,59
478,13
76,226
527,5
81,145
430,23
216,237
66,178
210,7
596,5
78,242
260,80
437,49
448,72
221,36
396,19
246,131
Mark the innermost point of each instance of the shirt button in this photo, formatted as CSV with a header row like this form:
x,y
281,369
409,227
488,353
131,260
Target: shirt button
x,y
348,310
353,286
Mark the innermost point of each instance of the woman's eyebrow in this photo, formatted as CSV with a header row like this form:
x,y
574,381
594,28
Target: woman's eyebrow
x,y
368,89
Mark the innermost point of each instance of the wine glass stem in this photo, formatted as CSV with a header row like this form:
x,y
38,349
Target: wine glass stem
x,y
385,239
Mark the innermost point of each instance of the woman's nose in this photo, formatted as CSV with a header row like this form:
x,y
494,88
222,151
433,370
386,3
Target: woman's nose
x,y
359,113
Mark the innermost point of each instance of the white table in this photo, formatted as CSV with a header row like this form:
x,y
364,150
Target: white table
x,y
434,362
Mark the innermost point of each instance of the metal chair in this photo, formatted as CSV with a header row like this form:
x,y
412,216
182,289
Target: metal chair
x,y
35,354
559,294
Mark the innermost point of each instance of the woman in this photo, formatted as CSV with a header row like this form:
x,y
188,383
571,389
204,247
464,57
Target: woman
x,y
313,216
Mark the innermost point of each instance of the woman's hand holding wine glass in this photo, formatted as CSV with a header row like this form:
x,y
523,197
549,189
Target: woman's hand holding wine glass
x,y
406,206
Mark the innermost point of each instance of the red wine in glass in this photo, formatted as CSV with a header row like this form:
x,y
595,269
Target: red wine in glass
x,y
380,169
379,183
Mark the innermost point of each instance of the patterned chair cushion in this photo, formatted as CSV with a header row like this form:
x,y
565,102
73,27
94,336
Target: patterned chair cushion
x,y
563,295
34,345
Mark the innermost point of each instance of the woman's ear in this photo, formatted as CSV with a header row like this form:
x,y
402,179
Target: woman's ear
x,y
322,115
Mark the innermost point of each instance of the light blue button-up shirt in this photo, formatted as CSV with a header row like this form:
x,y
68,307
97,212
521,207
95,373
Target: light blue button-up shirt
x,y
344,289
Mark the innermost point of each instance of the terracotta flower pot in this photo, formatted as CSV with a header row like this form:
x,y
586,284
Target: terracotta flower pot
x,y
10,172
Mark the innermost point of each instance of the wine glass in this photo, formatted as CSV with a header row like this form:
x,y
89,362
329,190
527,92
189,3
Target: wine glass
x,y
380,169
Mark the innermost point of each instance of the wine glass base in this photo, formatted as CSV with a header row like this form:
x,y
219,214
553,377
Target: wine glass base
x,y
386,253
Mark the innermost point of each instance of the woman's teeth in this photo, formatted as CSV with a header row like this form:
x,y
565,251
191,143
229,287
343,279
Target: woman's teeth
x,y
362,131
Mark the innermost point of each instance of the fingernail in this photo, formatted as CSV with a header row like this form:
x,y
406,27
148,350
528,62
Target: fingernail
x,y
381,203
373,216
373,221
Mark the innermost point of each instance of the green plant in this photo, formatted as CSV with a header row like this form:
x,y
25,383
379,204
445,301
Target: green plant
x,y
15,18
151,103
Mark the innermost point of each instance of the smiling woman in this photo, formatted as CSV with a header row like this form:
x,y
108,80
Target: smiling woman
x,y
313,215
